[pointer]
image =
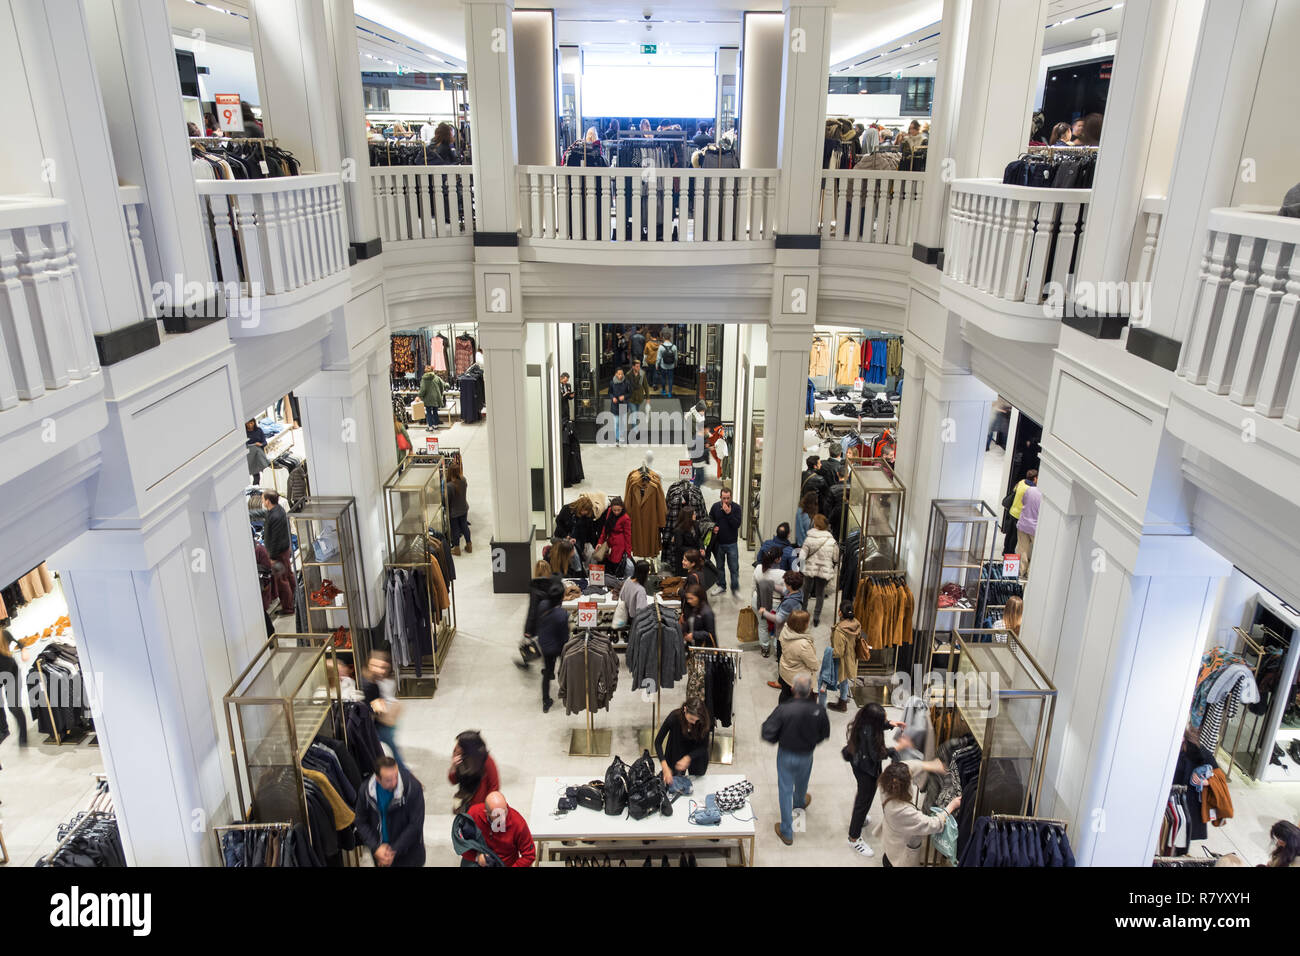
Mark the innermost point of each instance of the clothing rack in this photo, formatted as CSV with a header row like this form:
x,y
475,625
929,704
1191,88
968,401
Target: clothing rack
x,y
723,746
100,807
55,737
217,831
1051,151
1030,819
234,139
597,742
646,736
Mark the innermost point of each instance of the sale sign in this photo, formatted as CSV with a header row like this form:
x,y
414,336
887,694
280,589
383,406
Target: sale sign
x,y
1011,566
230,115
431,444
587,616
684,469
596,574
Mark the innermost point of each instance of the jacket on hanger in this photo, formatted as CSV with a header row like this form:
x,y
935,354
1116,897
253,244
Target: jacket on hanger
x,y
644,500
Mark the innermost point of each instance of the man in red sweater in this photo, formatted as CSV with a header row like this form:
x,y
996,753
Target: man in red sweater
x,y
505,831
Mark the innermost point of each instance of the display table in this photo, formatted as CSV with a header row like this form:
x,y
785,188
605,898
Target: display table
x,y
830,424
653,834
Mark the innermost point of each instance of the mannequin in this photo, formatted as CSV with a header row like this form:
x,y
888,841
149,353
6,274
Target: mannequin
x,y
647,463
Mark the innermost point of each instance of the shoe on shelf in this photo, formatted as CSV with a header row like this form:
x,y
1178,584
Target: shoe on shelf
x,y
860,846
456,551
648,862
665,861
681,861
787,840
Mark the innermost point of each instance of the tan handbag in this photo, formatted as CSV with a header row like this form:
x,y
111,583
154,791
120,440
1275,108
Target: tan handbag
x,y
747,626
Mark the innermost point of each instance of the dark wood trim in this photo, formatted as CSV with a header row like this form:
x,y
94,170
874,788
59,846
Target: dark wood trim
x,y
1097,324
191,318
121,344
366,250
799,242
503,239
1155,348
929,255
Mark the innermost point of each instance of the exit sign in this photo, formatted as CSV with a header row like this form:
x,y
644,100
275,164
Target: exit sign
x,y
649,48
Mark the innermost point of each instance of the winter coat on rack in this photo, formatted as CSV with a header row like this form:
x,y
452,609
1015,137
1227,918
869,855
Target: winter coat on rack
x,y
655,662
595,686
647,507
820,554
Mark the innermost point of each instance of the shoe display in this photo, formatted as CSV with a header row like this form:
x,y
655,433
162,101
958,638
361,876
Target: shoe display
x,y
690,859
681,861
648,862
324,597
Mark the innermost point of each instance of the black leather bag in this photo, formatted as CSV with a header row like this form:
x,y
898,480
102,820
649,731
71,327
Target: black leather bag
x,y
616,787
645,787
590,795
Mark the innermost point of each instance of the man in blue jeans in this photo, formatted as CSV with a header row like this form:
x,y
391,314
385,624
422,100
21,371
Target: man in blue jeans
x,y
796,727
725,516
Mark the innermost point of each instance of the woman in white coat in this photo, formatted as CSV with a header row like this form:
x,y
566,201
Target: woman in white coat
x,y
820,556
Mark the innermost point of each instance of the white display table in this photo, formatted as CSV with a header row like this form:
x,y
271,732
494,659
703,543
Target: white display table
x,y
653,833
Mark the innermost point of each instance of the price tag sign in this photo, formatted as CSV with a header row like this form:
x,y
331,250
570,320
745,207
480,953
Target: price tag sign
x,y
684,469
230,115
431,444
1011,565
858,385
587,614
596,574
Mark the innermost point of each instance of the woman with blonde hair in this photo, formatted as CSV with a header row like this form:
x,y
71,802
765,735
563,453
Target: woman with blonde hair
x,y
1012,614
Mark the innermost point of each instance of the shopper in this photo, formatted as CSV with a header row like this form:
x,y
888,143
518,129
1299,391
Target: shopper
x,y
903,825
666,363
255,442
390,815
637,392
650,358
576,522
11,686
798,656
458,505
431,393
444,145
504,830
808,506
633,593
616,533
833,469
1060,135
379,688
783,546
682,744
618,398
812,480
1286,844
563,559
696,446
686,537
636,343
552,635
725,515
843,653
472,770
1027,527
769,584
796,726
545,589
1091,131
279,545
1012,614
791,602
566,397
701,137
865,752
820,556
698,624
1013,503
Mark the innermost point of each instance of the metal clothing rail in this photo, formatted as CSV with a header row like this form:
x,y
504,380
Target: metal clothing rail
x,y
100,808
722,747
1029,819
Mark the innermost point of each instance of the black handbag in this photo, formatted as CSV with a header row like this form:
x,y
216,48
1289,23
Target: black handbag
x,y
589,795
645,787
616,788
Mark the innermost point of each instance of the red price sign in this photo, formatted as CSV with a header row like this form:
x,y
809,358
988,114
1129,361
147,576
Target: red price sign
x,y
431,444
1011,565
596,574
587,616
684,469
230,114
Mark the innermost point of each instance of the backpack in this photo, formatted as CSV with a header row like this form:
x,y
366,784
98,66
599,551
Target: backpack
x,y
616,787
645,787
668,355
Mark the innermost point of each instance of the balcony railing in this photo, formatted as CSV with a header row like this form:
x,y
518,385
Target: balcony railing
x,y
1013,242
45,336
600,206
1151,218
1245,334
870,206
132,199
275,236
423,202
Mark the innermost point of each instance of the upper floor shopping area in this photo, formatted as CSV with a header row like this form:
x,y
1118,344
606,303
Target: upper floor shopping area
x,y
978,175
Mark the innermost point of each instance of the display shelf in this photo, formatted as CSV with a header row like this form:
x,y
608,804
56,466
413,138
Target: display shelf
x,y
960,540
328,537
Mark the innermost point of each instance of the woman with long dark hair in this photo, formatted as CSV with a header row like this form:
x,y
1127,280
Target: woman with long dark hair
x,y
905,826
473,770
685,538
458,505
865,752
698,625
616,532
1286,844
682,744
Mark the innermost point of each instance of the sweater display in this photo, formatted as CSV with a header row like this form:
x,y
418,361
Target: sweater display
x,y
884,607
587,682
646,505
656,650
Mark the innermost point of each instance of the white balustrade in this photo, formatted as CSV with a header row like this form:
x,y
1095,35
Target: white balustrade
x,y
45,337
423,202
870,206
1151,218
276,235
1245,336
653,205
1013,242
132,199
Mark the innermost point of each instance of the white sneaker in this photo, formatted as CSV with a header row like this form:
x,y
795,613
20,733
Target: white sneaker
x,y
717,591
860,846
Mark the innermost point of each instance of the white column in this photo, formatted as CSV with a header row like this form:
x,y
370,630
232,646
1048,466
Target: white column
x,y
1126,144
67,153
489,46
297,80
501,339
1144,628
341,35
1234,34
1003,52
130,39
805,67
533,52
954,29
761,73
788,346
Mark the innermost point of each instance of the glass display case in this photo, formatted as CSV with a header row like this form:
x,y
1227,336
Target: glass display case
x,y
274,711
873,507
998,694
419,535
329,558
958,553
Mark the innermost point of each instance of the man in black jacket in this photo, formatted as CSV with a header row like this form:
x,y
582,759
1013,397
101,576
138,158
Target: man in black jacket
x,y
725,515
275,536
390,815
812,480
796,727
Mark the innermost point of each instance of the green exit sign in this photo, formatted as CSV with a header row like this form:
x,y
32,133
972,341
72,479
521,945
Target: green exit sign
x,y
649,48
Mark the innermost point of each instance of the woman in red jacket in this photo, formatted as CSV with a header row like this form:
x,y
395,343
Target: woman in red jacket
x,y
617,533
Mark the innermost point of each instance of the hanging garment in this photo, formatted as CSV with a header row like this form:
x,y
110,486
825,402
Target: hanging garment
x,y
819,359
656,651
643,497
590,687
682,493
846,362
465,349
